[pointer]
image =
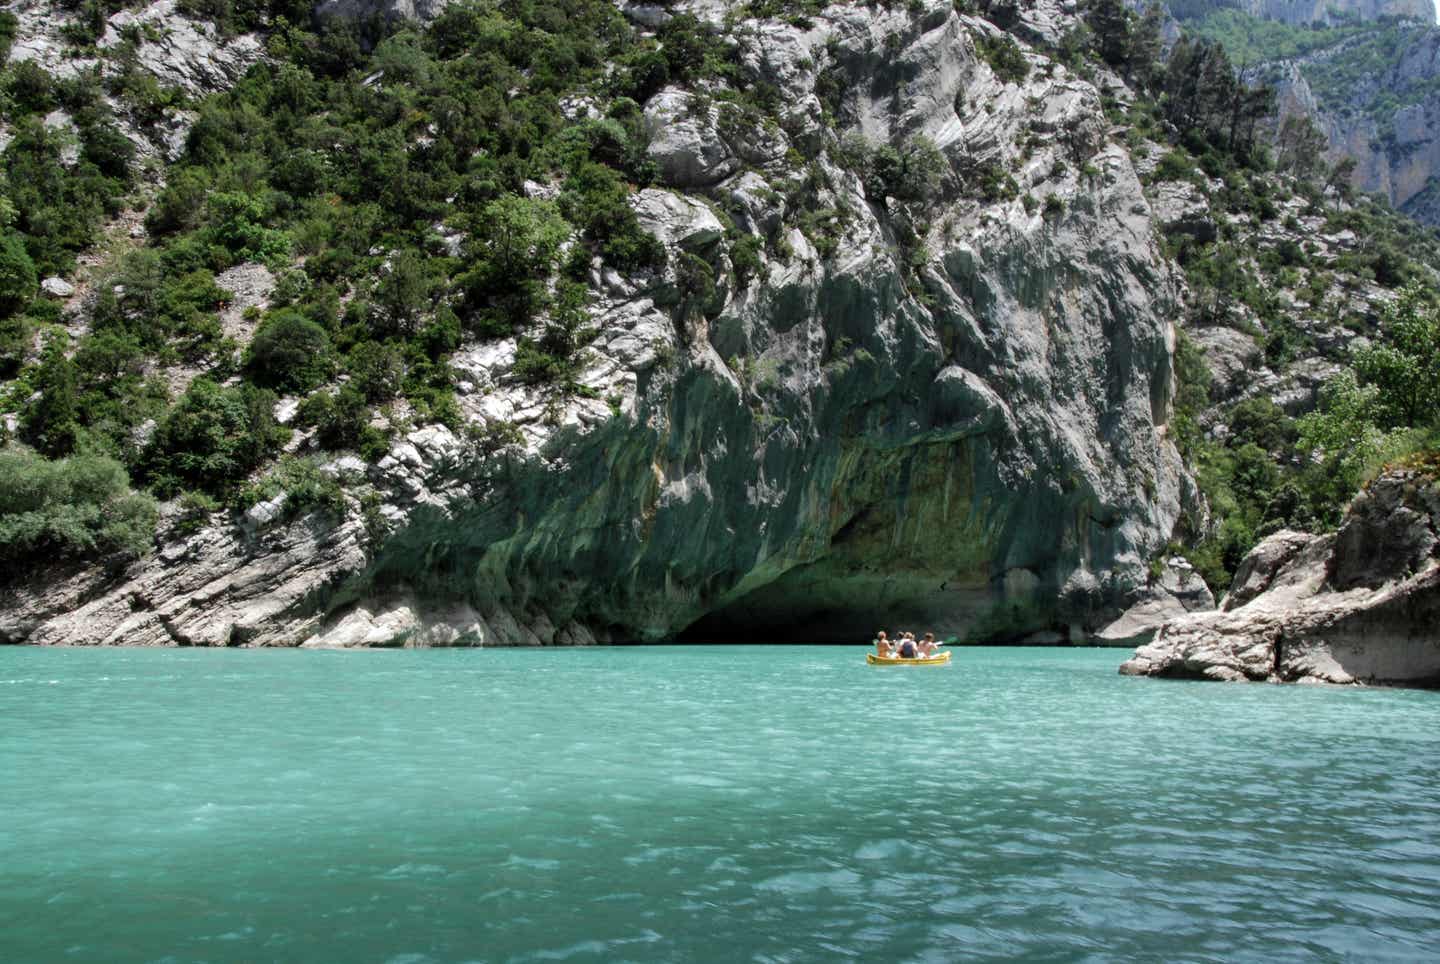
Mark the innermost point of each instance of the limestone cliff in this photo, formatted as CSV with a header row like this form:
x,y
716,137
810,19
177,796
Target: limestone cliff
x,y
1368,85
954,416
1359,606
1397,155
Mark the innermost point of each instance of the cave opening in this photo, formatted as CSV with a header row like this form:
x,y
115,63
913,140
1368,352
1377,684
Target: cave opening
x,y
739,624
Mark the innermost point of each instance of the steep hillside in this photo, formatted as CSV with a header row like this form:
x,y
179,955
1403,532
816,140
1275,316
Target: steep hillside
x,y
1369,81
552,322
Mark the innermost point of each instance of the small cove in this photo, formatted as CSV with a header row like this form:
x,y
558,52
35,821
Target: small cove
x,y
701,803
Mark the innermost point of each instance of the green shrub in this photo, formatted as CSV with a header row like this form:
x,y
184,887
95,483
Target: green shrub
x,y
290,353
1404,365
403,293
81,506
1344,433
1259,421
440,336
103,144
596,199
745,257
535,365
51,421
236,224
341,421
180,205
1175,166
30,88
9,26
18,280
377,370
195,510
517,242
1192,393
17,332
911,172
306,489
1005,58
212,439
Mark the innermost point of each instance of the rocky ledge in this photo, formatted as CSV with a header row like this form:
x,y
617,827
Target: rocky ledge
x,y
1361,605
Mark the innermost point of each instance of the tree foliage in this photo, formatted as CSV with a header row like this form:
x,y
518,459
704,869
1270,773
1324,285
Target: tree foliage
x,y
17,273
212,439
289,353
80,506
1404,365
51,421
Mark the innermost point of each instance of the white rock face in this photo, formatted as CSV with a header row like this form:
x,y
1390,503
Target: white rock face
x,y
676,219
250,286
218,588
183,53
1233,357
179,52
684,142
262,514
422,10
57,288
1360,606
1177,590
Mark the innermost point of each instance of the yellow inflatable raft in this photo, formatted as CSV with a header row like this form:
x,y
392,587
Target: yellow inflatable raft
x,y
939,659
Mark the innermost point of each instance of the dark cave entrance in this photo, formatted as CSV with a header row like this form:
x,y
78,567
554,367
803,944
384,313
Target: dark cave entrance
x,y
736,624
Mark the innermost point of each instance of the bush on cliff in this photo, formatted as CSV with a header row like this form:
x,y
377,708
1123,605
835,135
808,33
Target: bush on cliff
x,y
290,353
1405,365
17,273
51,419
81,506
212,439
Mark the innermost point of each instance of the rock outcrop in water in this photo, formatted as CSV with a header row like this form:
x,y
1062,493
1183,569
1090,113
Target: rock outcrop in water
x,y
973,438
1361,605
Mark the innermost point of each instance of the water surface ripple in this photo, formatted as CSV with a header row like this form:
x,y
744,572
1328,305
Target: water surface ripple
x,y
703,803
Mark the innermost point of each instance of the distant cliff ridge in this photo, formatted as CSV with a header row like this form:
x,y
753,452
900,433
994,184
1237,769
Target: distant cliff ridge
x,y
1369,79
1397,153
1300,12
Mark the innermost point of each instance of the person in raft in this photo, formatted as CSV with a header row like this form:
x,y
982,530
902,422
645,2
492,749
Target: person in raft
x,y
883,647
908,649
928,645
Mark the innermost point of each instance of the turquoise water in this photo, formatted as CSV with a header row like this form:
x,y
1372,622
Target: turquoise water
x,y
694,803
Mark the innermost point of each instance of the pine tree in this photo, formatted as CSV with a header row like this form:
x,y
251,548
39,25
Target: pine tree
x,y
51,423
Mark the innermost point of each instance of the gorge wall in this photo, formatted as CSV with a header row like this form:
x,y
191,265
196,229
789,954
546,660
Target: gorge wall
x,y
1397,155
951,416
1304,12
